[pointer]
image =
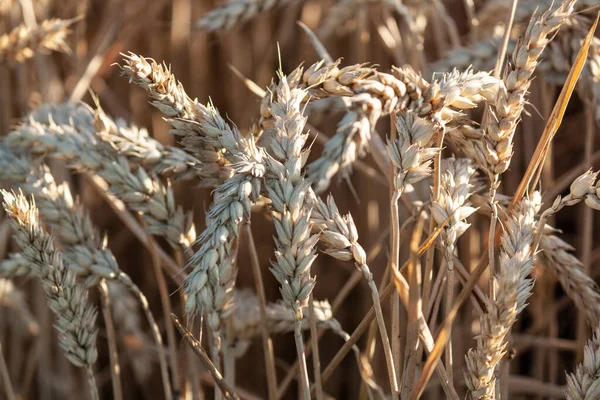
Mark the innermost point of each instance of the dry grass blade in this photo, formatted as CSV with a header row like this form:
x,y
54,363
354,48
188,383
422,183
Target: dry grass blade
x,y
196,346
555,120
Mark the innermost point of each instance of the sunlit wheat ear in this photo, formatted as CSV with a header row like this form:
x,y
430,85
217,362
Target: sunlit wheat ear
x,y
518,74
210,284
513,288
456,187
291,209
75,316
23,42
197,126
585,382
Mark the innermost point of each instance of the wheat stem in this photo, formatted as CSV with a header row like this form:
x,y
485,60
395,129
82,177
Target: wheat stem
x,y
113,353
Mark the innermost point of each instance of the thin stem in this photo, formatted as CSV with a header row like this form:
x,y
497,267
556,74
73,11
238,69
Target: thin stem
x,y
166,306
314,341
264,329
394,260
215,357
89,371
162,356
304,383
10,393
395,255
113,354
492,236
450,287
196,346
387,350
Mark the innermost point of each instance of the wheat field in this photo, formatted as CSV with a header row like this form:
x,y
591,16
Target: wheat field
x,y
299,199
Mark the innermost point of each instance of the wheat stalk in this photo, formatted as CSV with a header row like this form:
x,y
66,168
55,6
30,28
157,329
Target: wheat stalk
x,y
76,318
339,239
23,42
513,288
585,382
126,315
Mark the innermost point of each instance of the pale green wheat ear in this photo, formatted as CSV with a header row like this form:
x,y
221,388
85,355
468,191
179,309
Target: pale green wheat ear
x,y
75,316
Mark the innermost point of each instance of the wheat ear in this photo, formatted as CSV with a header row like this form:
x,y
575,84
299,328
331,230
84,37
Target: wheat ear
x,y
452,204
23,42
83,249
76,317
198,126
291,209
585,382
149,197
513,288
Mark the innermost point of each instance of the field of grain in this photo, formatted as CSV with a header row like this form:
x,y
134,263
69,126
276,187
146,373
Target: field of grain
x,y
299,199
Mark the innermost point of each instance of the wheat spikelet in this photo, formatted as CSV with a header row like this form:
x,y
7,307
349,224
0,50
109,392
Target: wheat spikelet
x,y
22,42
456,186
76,318
585,382
411,152
513,288
152,199
234,12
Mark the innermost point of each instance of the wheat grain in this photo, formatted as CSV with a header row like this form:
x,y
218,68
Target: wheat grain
x,y
23,42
